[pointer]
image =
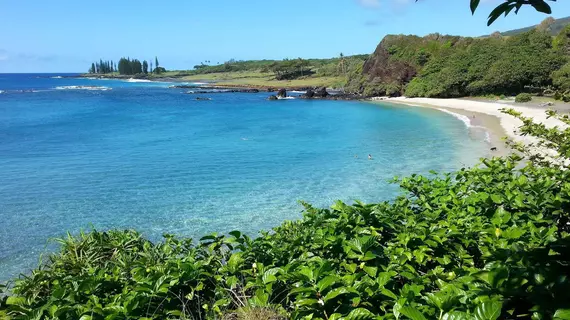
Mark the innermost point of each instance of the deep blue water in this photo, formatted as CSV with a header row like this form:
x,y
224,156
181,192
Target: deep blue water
x,y
149,157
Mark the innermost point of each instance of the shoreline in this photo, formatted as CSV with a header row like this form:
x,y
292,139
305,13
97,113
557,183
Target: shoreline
x,y
495,121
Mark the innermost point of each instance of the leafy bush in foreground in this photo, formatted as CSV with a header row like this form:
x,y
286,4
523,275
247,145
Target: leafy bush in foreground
x,y
486,243
523,97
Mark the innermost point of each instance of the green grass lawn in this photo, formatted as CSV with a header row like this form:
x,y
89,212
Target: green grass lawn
x,y
260,79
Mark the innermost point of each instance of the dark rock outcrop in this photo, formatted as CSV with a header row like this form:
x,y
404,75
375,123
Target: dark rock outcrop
x,y
321,92
272,98
282,93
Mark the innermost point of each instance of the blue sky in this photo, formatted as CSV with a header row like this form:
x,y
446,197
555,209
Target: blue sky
x,y
66,35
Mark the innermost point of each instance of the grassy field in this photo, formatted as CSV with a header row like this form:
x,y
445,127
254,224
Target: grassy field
x,y
259,79
254,79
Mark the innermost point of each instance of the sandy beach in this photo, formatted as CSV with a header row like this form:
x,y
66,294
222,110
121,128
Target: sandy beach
x,y
487,114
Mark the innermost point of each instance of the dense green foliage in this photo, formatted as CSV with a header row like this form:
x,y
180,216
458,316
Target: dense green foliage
x,y
288,68
486,243
448,66
523,97
126,66
553,28
492,65
102,67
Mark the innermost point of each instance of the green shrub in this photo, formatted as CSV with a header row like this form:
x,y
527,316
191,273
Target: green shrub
x,y
523,97
490,242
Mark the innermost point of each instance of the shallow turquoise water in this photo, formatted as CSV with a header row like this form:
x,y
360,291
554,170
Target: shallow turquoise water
x,y
152,158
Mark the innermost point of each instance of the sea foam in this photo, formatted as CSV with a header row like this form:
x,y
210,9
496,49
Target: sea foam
x,y
468,124
138,80
92,88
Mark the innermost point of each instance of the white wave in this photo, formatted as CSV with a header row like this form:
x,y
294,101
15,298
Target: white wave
x,y
467,122
2,91
285,98
200,83
57,77
92,88
296,91
137,80
464,119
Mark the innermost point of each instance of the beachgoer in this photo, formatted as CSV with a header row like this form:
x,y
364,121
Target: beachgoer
x,y
369,157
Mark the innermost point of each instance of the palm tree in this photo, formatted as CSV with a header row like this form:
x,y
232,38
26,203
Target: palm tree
x,y
341,64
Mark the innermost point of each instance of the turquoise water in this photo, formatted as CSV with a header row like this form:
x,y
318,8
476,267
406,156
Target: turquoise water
x,y
144,156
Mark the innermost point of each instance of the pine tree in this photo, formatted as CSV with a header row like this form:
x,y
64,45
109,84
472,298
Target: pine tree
x,y
145,67
151,69
156,64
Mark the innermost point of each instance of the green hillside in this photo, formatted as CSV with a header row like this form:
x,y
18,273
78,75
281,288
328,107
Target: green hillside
x,y
554,29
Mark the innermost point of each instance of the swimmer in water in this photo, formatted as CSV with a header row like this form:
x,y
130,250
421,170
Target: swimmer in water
x,y
369,157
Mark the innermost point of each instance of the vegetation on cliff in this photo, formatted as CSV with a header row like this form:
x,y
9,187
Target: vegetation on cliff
x,y
491,242
452,66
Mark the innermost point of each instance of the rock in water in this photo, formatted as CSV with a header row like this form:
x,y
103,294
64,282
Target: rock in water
x,y
282,93
272,98
321,92
309,94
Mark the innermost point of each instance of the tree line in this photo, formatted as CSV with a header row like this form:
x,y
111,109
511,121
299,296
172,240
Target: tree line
x,y
127,66
103,67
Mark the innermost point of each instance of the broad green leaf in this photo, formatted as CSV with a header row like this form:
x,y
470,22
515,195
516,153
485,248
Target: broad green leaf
x,y
562,314
496,198
360,314
371,271
490,310
474,4
542,6
306,302
412,313
335,316
337,292
269,275
456,315
16,301
326,282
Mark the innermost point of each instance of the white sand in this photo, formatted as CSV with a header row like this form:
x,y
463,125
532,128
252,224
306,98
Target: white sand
x,y
509,123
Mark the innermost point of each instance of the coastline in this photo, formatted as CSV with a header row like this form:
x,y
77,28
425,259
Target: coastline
x,y
488,115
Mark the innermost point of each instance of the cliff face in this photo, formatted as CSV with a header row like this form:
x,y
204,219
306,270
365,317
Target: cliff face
x,y
381,68
397,60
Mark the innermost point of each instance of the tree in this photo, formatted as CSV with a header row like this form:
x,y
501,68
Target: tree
x,y
151,69
145,67
156,65
341,64
546,24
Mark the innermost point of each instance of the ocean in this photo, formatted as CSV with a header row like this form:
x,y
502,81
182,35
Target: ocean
x,y
141,155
